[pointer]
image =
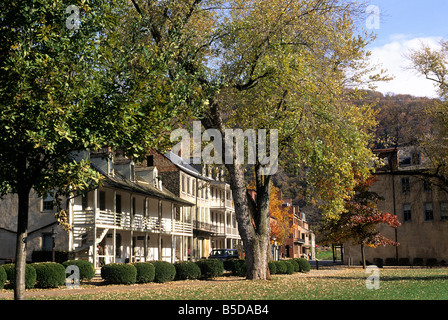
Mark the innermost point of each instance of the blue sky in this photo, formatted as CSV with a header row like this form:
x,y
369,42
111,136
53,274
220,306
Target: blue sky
x,y
404,25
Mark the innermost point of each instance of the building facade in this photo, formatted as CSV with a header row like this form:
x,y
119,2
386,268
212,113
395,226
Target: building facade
x,y
213,214
421,207
131,217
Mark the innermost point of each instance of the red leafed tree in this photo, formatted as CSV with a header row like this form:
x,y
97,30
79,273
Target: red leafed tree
x,y
360,220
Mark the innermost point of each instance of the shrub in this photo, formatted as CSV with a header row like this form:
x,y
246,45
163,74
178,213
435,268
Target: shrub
x,y
3,277
146,272
119,273
431,262
187,270
49,274
30,274
418,262
272,267
238,267
379,262
86,269
210,268
295,265
164,271
281,267
403,262
304,265
391,262
289,267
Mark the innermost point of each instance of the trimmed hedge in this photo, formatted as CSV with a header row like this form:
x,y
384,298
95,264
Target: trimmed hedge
x,y
281,267
272,267
119,273
3,277
187,270
289,267
30,274
86,269
237,266
49,274
146,272
210,268
304,265
295,265
164,271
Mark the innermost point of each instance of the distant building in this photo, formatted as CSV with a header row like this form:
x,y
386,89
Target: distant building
x,y
300,243
421,207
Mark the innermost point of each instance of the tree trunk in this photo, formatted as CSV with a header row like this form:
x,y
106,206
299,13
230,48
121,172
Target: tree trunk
x,y
363,257
22,233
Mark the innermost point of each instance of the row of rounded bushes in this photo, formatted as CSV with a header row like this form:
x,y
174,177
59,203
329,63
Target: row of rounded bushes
x,y
46,274
52,275
289,266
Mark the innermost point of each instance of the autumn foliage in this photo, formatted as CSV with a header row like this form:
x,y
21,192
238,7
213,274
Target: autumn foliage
x,y
358,223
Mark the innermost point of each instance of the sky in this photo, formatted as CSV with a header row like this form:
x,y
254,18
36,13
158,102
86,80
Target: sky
x,y
404,25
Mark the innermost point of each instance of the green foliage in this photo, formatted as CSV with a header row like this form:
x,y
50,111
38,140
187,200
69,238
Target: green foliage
x,y
210,268
49,274
164,271
187,270
30,274
272,267
304,265
119,273
281,267
86,269
295,265
237,266
289,267
146,272
3,277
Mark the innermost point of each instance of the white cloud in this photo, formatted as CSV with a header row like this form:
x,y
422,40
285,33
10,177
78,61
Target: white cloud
x,y
392,57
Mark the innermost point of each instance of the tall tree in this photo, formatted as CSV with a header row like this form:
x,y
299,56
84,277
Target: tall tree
x,y
280,66
433,64
69,83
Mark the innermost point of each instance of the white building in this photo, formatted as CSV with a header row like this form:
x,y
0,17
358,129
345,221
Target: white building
x,y
131,217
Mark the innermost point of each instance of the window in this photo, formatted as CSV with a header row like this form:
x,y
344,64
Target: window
x,y
47,202
47,241
183,184
118,203
407,212
132,172
429,212
188,185
443,211
405,185
150,161
102,200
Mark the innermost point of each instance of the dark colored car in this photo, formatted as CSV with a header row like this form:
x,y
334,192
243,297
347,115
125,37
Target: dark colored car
x,y
224,254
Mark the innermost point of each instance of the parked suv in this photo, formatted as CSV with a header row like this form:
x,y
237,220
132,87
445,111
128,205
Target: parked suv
x,y
224,254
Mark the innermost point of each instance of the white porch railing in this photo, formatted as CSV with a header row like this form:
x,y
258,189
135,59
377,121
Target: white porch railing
x,y
107,218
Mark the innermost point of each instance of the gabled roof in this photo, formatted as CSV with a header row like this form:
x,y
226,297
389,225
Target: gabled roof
x,y
118,181
183,165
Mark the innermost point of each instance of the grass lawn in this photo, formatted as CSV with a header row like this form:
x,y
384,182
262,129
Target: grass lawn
x,y
342,284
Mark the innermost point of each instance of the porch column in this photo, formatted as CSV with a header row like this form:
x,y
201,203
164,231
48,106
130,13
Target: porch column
x,y
131,226
173,246
145,248
159,245
95,205
114,243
